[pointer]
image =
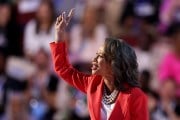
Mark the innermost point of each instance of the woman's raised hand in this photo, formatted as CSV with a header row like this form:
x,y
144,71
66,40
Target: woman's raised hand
x,y
61,23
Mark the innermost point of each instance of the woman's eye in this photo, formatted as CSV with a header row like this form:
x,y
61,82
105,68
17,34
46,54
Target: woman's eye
x,y
101,56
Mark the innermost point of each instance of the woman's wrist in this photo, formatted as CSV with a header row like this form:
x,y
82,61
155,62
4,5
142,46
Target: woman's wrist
x,y
57,40
59,37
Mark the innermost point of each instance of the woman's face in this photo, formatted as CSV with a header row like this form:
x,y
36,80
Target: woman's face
x,y
5,12
44,12
167,90
99,65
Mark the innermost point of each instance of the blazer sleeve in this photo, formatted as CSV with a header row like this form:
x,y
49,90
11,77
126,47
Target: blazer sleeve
x,y
65,70
139,106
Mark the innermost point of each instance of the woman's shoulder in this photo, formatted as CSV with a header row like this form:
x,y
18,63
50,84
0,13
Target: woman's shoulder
x,y
95,80
137,92
31,24
96,77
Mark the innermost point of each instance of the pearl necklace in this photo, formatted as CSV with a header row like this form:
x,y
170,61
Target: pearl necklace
x,y
109,99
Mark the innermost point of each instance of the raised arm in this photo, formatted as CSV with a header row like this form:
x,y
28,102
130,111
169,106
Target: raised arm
x,y
60,59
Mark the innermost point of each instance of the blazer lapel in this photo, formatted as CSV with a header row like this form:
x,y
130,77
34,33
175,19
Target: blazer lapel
x,y
96,98
121,107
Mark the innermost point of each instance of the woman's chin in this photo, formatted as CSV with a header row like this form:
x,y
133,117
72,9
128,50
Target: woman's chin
x,y
94,72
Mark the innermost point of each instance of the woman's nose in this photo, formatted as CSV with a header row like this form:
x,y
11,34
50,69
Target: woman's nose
x,y
95,59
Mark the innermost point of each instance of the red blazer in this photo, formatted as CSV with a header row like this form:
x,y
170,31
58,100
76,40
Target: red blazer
x,y
131,105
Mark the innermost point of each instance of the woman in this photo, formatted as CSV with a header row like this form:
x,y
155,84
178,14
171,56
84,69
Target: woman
x,y
9,40
39,31
112,90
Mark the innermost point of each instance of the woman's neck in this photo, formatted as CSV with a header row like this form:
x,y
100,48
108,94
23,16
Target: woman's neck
x,y
44,26
109,82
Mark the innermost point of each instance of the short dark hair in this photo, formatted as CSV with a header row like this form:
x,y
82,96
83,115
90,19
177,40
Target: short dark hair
x,y
123,61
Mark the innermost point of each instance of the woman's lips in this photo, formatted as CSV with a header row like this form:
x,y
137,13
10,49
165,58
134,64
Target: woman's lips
x,y
94,67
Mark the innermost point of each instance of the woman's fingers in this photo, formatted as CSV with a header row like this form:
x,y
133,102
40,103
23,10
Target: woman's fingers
x,y
58,20
64,17
71,13
63,20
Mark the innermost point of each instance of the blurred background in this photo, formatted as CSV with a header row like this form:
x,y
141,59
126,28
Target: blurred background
x,y
29,87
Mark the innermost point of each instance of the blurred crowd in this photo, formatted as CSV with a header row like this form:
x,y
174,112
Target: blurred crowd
x,y
31,90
